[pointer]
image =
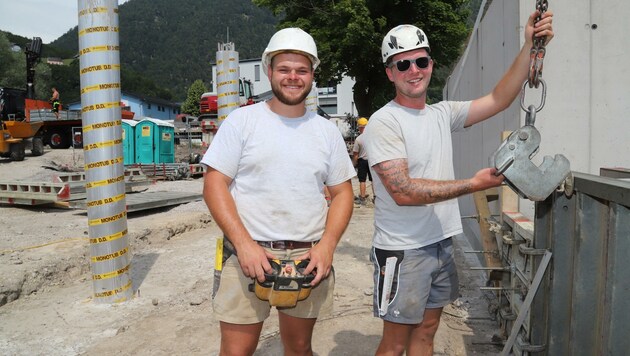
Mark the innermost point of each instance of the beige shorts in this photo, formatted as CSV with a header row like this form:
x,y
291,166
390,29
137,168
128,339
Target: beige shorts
x,y
234,303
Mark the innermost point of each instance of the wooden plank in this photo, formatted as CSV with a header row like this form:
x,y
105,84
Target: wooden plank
x,y
488,241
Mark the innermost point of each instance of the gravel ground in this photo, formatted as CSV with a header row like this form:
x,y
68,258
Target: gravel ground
x,y
45,284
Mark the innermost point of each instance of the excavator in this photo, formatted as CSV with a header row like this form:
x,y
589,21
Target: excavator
x,y
16,133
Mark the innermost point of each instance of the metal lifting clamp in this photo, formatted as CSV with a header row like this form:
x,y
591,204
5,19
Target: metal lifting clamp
x,y
513,157
513,160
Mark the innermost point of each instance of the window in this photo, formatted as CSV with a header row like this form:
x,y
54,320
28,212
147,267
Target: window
x,y
327,90
149,106
329,105
257,72
329,109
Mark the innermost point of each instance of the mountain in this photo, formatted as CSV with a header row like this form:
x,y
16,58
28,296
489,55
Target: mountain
x,y
173,42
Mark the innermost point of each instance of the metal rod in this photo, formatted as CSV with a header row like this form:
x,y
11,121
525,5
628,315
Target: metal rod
x,y
527,303
490,268
496,288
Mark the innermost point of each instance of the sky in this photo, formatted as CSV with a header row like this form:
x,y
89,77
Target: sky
x,y
48,19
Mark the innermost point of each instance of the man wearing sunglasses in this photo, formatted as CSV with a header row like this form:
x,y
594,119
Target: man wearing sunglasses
x,y
416,214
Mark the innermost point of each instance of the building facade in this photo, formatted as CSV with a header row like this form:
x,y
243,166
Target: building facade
x,y
144,106
335,100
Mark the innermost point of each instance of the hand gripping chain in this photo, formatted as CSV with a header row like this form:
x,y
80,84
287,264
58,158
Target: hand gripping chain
x,y
537,54
513,157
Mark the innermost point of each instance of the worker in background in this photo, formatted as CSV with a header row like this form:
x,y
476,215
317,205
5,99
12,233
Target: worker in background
x,y
416,214
55,101
360,161
264,186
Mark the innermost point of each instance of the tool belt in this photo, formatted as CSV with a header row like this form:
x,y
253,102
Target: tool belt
x,y
287,245
286,285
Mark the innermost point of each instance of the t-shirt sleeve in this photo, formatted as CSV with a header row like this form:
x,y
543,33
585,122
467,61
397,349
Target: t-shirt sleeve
x,y
384,139
458,113
341,168
224,152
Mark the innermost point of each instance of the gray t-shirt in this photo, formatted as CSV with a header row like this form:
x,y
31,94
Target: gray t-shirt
x,y
359,146
423,138
279,167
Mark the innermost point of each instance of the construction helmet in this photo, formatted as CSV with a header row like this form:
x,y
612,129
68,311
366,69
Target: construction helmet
x,y
403,38
289,40
362,122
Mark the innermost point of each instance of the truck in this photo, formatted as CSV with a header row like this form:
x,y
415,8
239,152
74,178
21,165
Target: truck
x,y
208,104
29,124
18,112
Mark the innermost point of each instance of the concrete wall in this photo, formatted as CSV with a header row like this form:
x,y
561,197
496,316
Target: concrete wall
x,y
586,115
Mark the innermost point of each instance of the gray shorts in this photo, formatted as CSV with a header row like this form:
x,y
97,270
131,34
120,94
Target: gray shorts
x,y
424,277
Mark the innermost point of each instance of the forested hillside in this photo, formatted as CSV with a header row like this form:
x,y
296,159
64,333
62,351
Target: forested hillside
x,y
166,45
173,42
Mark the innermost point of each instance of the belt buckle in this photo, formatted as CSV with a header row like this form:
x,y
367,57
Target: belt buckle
x,y
277,245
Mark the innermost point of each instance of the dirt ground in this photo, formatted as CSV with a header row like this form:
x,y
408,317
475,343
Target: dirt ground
x,y
45,284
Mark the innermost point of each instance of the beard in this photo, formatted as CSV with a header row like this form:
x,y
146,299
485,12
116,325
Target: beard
x,y
276,88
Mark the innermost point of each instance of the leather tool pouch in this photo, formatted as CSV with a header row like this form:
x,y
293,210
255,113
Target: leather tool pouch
x,y
286,285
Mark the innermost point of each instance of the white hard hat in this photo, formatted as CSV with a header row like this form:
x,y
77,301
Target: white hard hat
x,y
290,39
403,38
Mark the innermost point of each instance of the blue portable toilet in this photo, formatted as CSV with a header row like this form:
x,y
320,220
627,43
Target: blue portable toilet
x,y
155,141
129,141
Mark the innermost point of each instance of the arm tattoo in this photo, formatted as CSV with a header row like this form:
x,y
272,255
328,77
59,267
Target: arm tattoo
x,y
417,191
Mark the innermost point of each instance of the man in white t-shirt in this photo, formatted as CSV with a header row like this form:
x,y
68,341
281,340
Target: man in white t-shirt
x,y
267,169
416,213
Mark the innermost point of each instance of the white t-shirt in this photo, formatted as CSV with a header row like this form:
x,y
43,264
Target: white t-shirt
x,y
423,137
279,167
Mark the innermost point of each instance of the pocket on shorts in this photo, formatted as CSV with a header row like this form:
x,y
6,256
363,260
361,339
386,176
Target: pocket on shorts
x,y
217,275
379,258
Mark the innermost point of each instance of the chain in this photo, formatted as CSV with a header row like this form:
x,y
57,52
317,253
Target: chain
x,y
537,53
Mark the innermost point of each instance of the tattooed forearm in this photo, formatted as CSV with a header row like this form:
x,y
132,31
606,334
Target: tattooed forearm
x,y
407,191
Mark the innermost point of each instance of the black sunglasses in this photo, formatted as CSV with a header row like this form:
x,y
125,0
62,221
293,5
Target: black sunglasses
x,y
403,65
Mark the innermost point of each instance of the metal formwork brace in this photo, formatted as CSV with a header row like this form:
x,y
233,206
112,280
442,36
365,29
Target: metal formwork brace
x,y
540,272
42,192
69,177
171,171
64,187
196,169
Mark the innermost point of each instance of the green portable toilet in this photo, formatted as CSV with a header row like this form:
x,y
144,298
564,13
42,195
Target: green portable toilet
x,y
129,141
155,141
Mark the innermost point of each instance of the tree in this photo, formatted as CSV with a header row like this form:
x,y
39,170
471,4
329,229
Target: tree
x,y
13,70
349,33
191,104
